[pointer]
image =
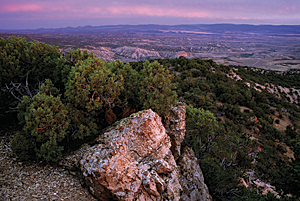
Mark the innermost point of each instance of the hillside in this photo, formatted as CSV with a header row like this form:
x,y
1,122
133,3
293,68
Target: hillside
x,y
242,122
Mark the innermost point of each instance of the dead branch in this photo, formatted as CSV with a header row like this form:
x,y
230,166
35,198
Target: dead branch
x,y
18,90
12,93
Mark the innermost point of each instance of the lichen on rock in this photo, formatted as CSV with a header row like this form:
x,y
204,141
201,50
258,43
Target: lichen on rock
x,y
128,160
134,160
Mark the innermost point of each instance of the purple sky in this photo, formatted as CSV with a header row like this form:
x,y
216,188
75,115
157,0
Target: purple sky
x,y
32,14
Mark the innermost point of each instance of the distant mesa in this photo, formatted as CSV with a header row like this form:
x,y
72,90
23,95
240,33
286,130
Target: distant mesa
x,y
183,53
262,46
136,53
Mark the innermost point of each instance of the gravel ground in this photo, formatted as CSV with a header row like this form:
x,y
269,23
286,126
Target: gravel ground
x,y
36,181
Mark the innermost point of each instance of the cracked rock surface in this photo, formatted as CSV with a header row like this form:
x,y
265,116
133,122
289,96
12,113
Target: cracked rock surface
x,y
132,161
192,180
135,160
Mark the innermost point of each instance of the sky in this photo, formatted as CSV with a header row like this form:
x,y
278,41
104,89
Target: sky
x,y
33,14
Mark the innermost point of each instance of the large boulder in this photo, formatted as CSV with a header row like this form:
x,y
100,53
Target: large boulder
x,y
132,161
135,160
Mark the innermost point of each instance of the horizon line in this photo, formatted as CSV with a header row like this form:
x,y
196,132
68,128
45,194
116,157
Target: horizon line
x,y
32,29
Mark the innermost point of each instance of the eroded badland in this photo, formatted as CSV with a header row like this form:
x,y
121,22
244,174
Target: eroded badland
x,y
268,47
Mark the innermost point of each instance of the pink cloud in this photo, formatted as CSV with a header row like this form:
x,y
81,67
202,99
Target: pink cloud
x,y
22,8
154,11
288,10
95,10
45,10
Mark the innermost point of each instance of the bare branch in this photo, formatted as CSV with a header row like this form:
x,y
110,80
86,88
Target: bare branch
x,y
27,87
18,90
12,93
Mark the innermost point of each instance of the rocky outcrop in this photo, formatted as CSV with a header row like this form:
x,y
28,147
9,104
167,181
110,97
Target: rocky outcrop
x,y
191,180
175,127
136,53
134,160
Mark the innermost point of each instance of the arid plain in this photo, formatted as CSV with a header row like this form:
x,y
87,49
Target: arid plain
x,y
264,46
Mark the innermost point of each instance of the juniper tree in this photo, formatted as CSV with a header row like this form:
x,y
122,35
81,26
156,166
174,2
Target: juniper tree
x,y
155,90
71,57
130,77
46,124
91,89
26,64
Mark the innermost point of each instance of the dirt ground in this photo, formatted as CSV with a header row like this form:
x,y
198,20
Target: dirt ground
x,y
33,180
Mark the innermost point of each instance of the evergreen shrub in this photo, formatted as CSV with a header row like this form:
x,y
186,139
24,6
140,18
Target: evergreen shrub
x,y
79,96
46,124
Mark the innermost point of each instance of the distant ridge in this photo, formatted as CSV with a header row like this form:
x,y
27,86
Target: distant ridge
x,y
154,28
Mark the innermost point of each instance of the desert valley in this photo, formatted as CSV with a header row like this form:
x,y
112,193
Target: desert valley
x,y
262,46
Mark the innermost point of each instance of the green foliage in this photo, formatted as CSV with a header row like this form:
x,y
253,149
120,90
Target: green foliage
x,y
45,125
86,94
91,95
19,57
12,51
200,83
91,86
131,83
201,129
251,195
290,131
91,89
152,85
289,175
28,64
288,78
156,88
221,153
74,56
294,173
70,59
